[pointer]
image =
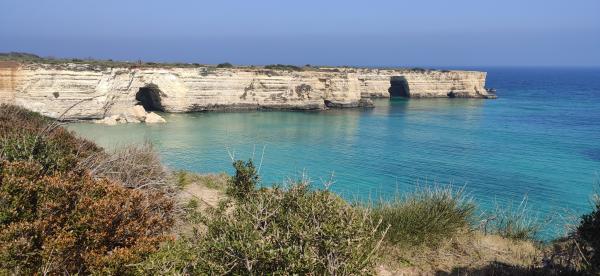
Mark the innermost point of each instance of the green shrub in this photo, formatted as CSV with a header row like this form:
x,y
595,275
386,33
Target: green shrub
x,y
244,182
27,136
276,231
175,257
420,70
588,232
30,146
284,67
225,65
514,222
426,216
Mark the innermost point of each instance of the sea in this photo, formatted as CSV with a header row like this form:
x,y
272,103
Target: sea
x,y
536,146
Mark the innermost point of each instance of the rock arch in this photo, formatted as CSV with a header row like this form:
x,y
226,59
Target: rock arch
x,y
150,97
399,87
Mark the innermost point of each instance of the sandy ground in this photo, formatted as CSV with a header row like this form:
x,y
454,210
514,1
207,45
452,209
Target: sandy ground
x,y
208,189
206,196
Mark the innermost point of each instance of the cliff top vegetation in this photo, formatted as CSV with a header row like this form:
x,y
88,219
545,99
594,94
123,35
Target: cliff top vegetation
x,y
29,58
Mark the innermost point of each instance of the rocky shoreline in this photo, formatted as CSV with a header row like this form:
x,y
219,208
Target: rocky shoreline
x,y
136,114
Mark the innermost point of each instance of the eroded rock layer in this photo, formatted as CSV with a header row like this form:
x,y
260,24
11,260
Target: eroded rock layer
x,y
83,91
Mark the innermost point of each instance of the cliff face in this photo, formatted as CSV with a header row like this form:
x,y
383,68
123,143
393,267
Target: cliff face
x,y
10,80
95,92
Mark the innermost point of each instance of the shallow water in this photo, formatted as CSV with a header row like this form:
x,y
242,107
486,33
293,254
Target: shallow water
x,y
540,139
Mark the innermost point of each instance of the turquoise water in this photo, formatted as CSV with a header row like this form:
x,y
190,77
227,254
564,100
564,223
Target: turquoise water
x,y
540,139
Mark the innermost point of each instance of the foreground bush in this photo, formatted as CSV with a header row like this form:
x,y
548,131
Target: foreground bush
x,y
291,230
588,233
26,136
426,216
69,223
55,218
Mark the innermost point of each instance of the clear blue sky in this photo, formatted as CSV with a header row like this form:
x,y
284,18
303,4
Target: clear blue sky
x,y
369,33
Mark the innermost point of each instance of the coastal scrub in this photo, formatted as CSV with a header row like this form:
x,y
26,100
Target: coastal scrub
x,y
279,230
56,218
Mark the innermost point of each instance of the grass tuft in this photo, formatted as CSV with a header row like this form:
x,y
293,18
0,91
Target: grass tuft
x,y
215,181
514,222
425,216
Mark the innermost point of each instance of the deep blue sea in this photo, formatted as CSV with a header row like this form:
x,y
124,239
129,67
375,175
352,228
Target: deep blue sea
x,y
540,139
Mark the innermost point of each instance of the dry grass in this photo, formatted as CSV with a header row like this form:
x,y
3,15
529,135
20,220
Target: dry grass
x,y
216,181
432,232
134,166
468,251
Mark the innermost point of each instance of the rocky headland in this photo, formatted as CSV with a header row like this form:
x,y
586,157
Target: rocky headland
x,y
80,90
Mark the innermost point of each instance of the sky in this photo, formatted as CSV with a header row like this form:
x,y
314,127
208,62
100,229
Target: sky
x,y
427,33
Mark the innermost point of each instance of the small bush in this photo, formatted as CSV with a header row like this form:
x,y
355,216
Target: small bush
x,y
284,67
515,223
425,217
588,232
420,70
225,65
244,182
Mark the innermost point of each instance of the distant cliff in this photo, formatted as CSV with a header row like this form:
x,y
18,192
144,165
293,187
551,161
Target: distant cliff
x,y
95,91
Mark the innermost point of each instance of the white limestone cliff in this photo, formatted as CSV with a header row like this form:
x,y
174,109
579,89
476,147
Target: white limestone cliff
x,y
84,91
